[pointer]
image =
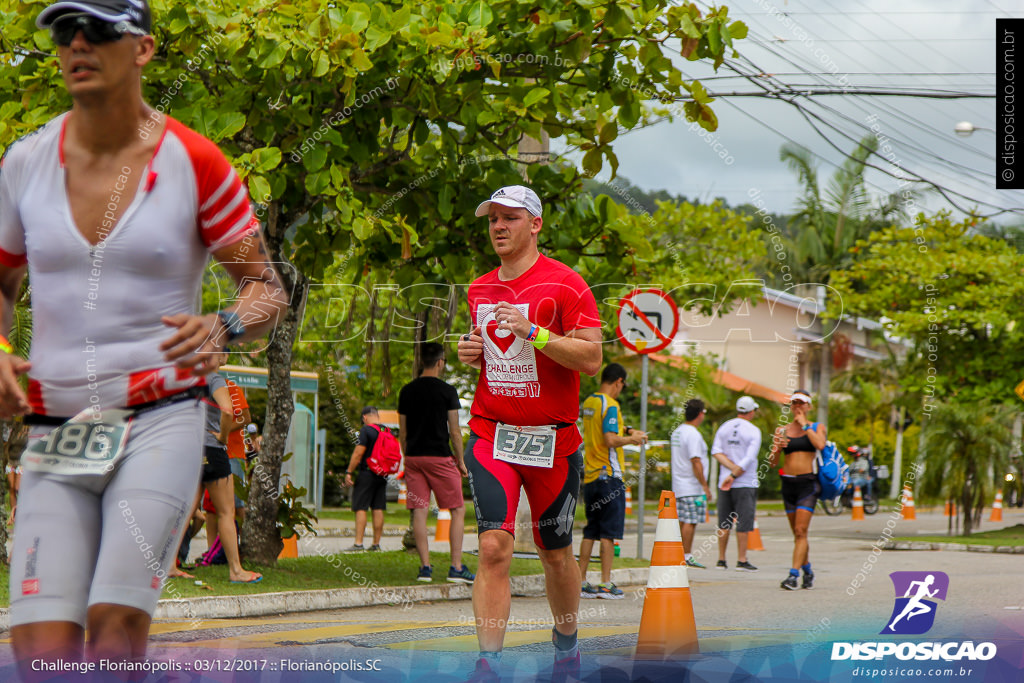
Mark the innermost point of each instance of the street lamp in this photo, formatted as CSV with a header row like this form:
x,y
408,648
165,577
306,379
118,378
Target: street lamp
x,y
965,128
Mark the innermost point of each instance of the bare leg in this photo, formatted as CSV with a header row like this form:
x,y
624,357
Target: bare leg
x,y
378,526
723,543
360,526
46,640
457,530
117,632
586,547
562,580
687,531
741,542
419,531
223,497
607,557
492,590
800,521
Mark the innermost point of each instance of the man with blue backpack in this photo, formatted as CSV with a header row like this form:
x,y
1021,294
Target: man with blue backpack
x,y
800,440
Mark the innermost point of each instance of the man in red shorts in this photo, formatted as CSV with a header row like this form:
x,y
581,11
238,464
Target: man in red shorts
x,y
428,413
536,327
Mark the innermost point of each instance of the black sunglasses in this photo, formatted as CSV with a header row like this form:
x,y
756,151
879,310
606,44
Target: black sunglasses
x,y
96,31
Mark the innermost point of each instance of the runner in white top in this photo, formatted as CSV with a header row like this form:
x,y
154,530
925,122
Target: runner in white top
x,y
113,210
690,475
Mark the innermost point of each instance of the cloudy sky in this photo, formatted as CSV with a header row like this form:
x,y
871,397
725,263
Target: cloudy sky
x,y
912,46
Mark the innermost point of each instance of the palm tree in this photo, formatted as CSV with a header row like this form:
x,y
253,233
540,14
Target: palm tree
x,y
967,449
827,225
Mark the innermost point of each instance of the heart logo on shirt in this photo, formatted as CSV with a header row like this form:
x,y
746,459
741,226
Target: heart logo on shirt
x,y
503,339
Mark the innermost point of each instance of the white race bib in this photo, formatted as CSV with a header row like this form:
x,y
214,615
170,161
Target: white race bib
x,y
87,444
533,446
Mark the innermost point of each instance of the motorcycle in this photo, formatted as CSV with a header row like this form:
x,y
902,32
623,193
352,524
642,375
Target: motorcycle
x,y
844,501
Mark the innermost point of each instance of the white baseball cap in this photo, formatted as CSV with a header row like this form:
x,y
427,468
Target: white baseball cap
x,y
515,196
745,404
800,396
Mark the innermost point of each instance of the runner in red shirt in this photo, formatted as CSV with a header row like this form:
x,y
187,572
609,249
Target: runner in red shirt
x,y
536,327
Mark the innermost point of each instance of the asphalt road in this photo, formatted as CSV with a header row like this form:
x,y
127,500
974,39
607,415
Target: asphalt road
x,y
736,612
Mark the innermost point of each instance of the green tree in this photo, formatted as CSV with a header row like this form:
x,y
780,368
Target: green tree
x,y
376,126
954,295
967,448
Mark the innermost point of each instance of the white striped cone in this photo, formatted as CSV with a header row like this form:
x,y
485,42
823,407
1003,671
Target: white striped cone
x,y
997,508
667,625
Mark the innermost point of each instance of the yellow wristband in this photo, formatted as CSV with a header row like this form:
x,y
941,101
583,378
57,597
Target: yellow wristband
x,y
5,345
542,338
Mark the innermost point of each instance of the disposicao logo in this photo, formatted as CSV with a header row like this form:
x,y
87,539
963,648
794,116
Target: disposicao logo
x,y
914,614
916,593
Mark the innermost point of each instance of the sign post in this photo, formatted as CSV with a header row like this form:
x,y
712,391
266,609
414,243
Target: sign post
x,y
648,321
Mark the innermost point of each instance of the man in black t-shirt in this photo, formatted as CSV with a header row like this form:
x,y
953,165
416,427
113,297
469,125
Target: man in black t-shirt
x,y
428,415
370,489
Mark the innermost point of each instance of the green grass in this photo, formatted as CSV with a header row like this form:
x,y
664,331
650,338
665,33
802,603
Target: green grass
x,y
341,570
1011,536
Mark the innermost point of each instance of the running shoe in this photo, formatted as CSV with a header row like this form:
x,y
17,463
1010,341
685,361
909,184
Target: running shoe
x,y
460,575
790,583
567,668
690,562
588,590
426,574
745,567
483,673
721,565
375,548
567,663
808,581
355,548
609,591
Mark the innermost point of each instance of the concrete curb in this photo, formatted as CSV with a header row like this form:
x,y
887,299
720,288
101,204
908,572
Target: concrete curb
x,y
958,547
263,604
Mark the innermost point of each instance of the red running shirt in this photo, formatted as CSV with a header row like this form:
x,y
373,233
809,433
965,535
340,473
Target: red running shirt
x,y
519,385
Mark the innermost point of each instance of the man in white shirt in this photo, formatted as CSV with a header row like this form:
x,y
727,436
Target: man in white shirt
x,y
689,475
736,445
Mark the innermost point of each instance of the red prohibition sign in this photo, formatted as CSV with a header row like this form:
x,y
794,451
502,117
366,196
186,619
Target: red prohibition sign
x,y
638,311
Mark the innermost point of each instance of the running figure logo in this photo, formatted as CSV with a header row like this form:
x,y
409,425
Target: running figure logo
x,y
914,612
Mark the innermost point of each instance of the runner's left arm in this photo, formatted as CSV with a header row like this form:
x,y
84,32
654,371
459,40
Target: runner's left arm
x,y
260,302
13,400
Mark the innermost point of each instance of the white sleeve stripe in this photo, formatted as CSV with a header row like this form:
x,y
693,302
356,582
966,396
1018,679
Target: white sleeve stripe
x,y
232,206
212,199
234,234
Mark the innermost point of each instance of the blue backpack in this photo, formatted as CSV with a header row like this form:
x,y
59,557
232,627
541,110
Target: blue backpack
x,y
833,472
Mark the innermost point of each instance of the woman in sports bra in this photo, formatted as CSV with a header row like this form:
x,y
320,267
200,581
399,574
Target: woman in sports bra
x,y
799,441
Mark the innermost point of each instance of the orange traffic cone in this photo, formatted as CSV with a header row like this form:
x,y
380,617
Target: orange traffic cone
x,y
403,492
667,625
997,508
754,538
629,502
908,505
290,547
858,504
444,525
950,509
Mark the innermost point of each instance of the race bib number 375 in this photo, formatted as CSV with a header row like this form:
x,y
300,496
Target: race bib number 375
x,y
534,446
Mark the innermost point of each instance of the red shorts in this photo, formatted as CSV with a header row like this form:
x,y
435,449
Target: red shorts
x,y
437,473
552,493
